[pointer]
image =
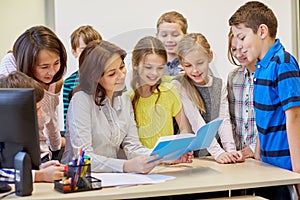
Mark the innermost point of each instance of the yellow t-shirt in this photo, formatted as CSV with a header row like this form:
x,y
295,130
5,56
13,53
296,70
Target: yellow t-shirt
x,y
167,79
156,119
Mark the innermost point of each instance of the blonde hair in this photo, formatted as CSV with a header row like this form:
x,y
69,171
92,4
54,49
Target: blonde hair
x,y
190,42
173,17
229,50
145,46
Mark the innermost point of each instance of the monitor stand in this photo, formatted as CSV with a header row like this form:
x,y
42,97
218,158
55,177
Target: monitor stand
x,y
4,187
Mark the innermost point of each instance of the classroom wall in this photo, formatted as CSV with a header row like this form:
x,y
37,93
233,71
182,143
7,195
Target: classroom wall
x,y
15,17
132,19
125,22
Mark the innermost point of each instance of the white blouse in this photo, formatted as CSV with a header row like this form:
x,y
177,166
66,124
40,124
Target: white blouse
x,y
102,131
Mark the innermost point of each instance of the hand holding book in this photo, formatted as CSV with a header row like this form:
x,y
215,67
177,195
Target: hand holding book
x,y
174,146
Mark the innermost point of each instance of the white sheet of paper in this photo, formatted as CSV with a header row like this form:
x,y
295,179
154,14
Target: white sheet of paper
x,y
126,179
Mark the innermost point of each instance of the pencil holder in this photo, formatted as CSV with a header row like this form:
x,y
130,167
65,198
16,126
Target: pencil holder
x,y
77,178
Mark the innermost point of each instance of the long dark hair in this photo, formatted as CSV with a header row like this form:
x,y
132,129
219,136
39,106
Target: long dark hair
x,y
33,40
92,63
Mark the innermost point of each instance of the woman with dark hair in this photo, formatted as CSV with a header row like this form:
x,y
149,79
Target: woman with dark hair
x,y
100,118
40,54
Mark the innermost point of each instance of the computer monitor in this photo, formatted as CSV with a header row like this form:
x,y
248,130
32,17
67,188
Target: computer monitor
x,y
18,126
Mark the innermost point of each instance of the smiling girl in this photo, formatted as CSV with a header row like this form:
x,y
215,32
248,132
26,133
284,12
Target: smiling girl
x,y
155,102
240,97
204,97
39,54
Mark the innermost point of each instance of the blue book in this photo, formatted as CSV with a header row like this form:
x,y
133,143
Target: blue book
x,y
174,146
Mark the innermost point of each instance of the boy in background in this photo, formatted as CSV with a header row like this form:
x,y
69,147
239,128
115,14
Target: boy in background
x,y
79,39
276,88
171,26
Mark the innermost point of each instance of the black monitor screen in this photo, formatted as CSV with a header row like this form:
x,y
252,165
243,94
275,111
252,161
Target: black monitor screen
x,y
18,126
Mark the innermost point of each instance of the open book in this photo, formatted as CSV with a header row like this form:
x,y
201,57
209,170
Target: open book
x,y
174,146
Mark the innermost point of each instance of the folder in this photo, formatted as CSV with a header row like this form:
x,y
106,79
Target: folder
x,y
174,146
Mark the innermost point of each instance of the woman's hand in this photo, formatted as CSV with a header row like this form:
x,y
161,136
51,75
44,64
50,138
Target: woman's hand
x,y
141,164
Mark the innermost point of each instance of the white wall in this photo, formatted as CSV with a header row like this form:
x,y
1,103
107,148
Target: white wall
x,y
15,17
125,22
130,20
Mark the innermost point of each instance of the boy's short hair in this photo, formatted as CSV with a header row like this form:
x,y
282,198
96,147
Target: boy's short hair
x,y
252,14
17,79
88,34
173,17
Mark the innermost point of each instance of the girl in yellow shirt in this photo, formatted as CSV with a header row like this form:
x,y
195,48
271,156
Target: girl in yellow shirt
x,y
155,102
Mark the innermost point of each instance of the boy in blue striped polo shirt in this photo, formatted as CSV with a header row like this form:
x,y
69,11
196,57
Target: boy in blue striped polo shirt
x,y
276,85
79,39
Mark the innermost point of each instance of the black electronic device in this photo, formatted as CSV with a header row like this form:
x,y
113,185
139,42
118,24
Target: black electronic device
x,y
19,133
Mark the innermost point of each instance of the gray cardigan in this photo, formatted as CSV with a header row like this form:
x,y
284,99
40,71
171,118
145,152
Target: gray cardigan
x,y
196,120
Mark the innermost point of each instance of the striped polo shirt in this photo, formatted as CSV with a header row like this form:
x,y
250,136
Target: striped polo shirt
x,y
70,83
276,89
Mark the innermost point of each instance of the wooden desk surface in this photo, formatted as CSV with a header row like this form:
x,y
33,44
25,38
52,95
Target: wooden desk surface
x,y
203,175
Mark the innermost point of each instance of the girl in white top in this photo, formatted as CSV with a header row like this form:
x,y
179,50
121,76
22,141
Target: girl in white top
x,y
41,55
204,97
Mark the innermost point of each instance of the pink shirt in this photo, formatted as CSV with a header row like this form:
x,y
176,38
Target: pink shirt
x,y
49,133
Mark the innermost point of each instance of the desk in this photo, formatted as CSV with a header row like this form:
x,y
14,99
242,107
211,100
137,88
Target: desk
x,y
203,175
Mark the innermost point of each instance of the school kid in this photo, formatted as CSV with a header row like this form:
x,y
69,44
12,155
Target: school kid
x,y
50,170
204,97
171,26
276,85
40,54
79,39
155,102
240,98
100,118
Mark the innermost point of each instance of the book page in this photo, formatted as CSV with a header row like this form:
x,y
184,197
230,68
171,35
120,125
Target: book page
x,y
128,179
